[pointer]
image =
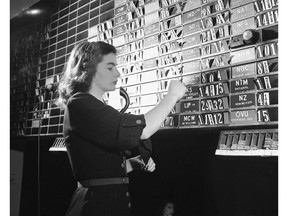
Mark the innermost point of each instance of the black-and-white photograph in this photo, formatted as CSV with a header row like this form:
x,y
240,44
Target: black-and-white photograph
x,y
145,107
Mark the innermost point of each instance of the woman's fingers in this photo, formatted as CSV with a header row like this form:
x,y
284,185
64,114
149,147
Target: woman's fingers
x,y
151,166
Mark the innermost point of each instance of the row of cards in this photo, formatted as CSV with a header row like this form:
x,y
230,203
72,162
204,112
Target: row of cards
x,y
242,71
240,117
219,47
251,139
233,101
249,16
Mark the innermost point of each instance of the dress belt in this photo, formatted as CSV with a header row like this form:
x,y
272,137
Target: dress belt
x,y
103,181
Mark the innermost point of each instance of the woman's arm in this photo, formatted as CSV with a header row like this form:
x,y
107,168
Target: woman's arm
x,y
155,117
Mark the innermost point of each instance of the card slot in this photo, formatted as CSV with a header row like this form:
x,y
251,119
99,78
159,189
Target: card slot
x,y
260,142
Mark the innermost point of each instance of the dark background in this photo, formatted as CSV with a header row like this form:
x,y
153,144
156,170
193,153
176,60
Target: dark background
x,y
187,170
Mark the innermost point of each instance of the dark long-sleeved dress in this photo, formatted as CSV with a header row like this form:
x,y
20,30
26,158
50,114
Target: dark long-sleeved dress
x,y
96,136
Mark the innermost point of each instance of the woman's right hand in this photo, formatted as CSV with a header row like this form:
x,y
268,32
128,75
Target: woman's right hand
x,y
150,166
177,89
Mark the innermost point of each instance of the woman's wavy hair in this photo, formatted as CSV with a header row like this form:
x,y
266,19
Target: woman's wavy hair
x,y
81,68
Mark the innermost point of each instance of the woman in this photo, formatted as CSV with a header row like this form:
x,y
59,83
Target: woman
x,y
97,135
168,209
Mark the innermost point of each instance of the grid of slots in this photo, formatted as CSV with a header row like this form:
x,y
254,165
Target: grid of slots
x,y
229,81
248,143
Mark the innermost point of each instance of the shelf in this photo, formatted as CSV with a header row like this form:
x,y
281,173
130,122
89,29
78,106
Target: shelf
x,y
259,152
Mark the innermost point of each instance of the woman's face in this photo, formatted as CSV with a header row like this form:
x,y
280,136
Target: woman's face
x,y
168,209
106,73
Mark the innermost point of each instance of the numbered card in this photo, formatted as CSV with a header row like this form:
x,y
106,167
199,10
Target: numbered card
x,y
215,20
169,72
214,76
267,18
264,5
267,50
214,89
170,46
210,119
215,61
263,115
215,33
170,59
214,104
263,99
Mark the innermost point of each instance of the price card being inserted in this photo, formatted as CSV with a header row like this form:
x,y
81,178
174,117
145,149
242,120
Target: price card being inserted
x,y
192,92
